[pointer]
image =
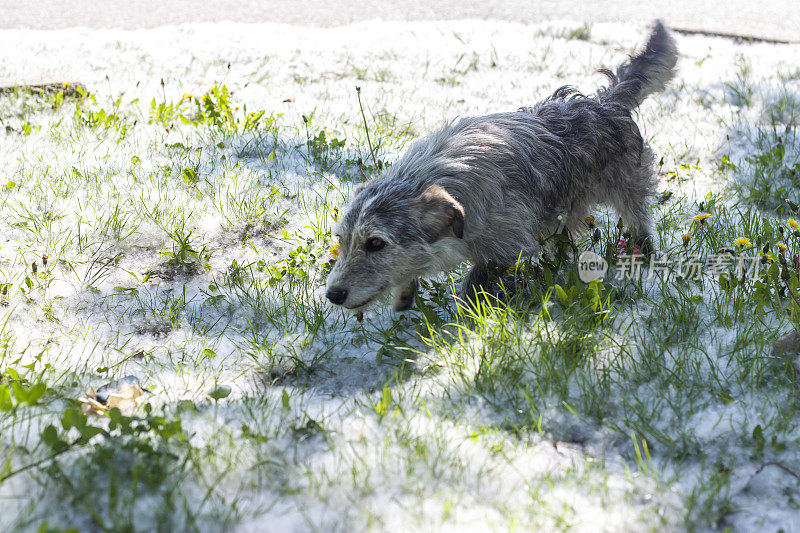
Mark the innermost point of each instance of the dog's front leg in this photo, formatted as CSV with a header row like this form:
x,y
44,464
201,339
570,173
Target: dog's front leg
x,y
404,296
474,282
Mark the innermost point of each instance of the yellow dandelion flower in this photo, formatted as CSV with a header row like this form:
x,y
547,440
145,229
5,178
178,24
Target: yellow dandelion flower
x,y
782,246
186,96
743,241
793,224
66,84
700,217
589,221
335,251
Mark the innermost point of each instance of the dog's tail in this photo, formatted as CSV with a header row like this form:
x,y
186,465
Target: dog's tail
x,y
644,73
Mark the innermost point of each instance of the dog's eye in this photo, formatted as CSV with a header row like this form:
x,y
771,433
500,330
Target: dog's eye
x,y
374,244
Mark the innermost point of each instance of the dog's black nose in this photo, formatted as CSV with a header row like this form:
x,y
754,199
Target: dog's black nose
x,y
337,296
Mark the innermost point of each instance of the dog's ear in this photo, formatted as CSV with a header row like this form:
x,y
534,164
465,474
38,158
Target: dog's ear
x,y
439,213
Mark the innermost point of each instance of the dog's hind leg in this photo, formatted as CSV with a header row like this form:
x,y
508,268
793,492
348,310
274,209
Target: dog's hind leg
x,y
635,214
404,296
631,200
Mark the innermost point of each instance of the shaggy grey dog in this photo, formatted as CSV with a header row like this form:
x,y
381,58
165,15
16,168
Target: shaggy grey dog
x,y
485,188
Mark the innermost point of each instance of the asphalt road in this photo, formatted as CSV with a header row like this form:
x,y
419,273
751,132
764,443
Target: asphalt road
x,y
774,19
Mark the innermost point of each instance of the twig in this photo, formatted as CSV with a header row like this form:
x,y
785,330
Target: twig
x,y
779,465
366,129
40,461
791,293
68,88
735,37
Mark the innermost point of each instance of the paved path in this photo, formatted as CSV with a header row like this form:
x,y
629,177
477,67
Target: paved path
x,y
773,19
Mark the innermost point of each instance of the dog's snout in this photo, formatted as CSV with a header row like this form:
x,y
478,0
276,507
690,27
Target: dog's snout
x,y
336,295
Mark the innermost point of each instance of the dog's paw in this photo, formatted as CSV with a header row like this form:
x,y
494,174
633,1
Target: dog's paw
x,y
404,297
642,246
401,305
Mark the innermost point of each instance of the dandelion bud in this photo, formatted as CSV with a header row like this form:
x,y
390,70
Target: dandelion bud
x,y
34,268
596,236
686,238
589,221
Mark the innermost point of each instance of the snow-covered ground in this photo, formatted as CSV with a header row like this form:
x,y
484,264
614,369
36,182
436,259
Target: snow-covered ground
x,y
188,247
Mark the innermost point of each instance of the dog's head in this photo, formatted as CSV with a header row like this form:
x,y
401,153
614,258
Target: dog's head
x,y
392,233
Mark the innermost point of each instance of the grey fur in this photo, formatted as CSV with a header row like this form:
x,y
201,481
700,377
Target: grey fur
x,y
484,188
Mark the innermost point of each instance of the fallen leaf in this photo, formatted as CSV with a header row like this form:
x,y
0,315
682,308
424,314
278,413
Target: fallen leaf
x,y
121,393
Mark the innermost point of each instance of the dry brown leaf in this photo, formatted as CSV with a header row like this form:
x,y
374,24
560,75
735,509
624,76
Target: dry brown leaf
x,y
122,394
